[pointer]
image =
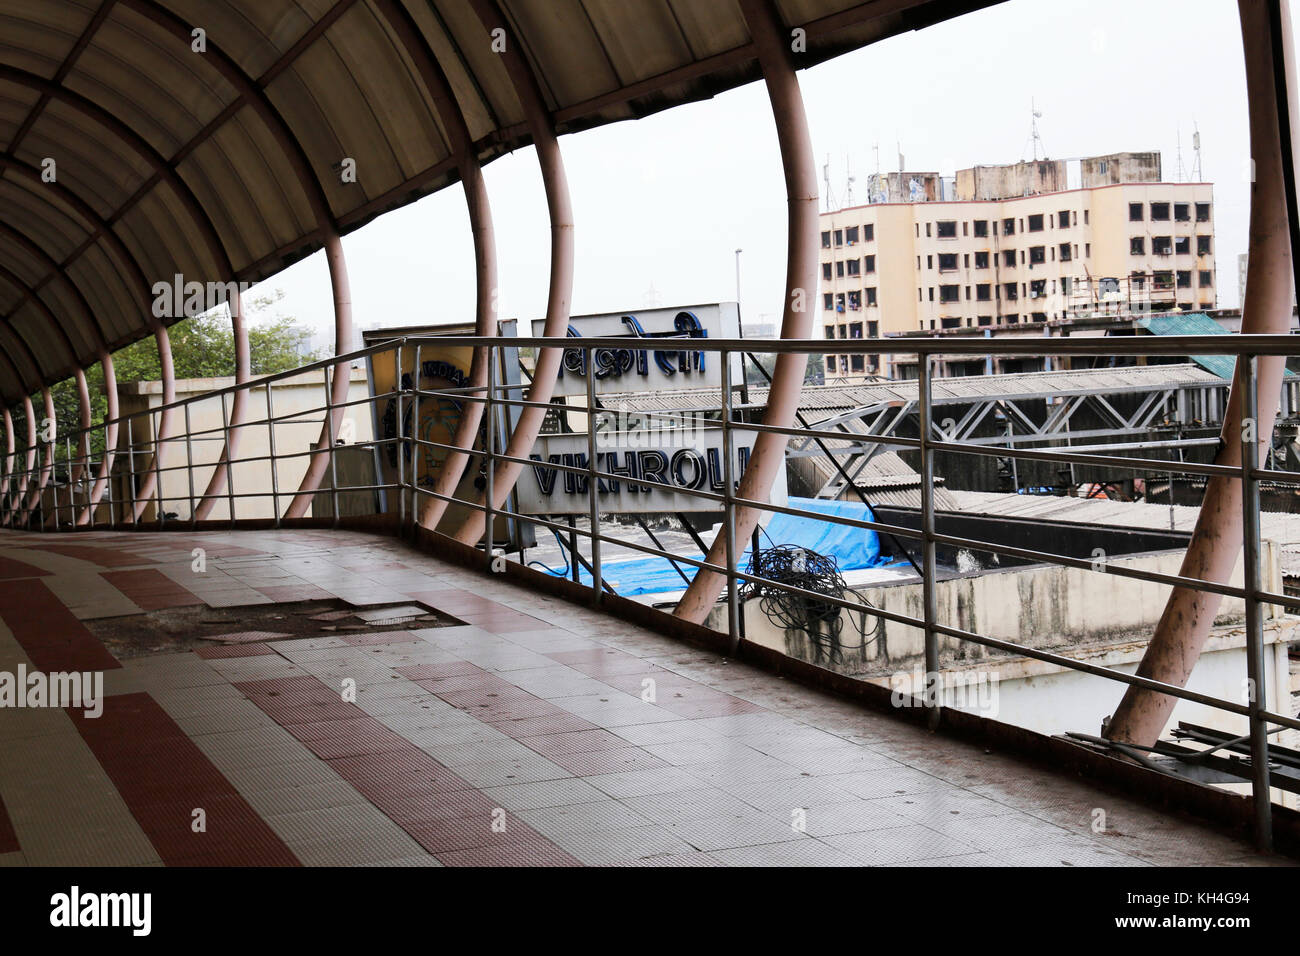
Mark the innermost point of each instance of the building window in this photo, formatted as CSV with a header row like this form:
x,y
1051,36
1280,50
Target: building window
x,y
855,301
826,271
951,322
1162,245
981,228
1136,280
839,269
873,330
1137,246
986,320
855,330
828,301
839,302
1085,217
949,293
1184,280
1183,246
929,262
1160,212
1036,223
854,267
981,260
870,264
931,293
1038,289
1008,257
1039,317
1063,219
1135,212
946,228
1206,278
871,295
1162,281
1037,254
1008,227
1065,252
1202,245
869,232
1010,291
983,292
1012,319
851,235
947,261
856,363
1182,212
1202,212
826,240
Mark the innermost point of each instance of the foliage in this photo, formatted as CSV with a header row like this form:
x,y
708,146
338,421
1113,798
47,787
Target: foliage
x,y
202,347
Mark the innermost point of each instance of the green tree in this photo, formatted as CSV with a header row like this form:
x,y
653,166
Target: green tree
x,y
202,347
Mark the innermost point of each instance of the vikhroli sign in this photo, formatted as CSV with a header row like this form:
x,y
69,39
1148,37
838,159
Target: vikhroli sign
x,y
643,479
658,356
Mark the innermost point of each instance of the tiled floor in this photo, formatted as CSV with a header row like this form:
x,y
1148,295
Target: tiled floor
x,y
537,733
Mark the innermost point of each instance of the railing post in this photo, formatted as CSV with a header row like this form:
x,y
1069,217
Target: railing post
x,y
728,507
108,483
156,428
270,441
189,465
329,415
593,502
415,441
1257,678
130,467
489,459
230,468
928,589
400,437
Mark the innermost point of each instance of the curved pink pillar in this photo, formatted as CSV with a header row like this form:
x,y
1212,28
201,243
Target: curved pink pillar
x,y
560,291
150,481
433,507
768,455
110,441
5,514
1216,542
342,375
238,406
20,492
47,468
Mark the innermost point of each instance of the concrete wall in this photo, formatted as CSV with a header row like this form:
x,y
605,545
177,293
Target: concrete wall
x,y
293,396
1040,606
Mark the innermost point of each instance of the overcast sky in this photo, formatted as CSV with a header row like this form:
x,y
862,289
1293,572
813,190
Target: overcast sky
x,y
661,204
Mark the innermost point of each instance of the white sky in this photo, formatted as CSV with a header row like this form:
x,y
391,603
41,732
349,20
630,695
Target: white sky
x,y
664,202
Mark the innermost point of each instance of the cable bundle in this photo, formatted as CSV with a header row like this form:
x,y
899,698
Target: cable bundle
x,y
807,570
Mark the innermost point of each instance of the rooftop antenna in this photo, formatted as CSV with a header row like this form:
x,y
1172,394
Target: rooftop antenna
x,y
849,180
1035,140
1197,174
1182,177
831,205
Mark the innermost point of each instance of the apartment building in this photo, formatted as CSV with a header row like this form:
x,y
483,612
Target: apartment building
x,y
1013,248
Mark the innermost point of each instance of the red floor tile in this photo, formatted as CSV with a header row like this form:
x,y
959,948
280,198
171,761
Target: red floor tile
x,y
50,634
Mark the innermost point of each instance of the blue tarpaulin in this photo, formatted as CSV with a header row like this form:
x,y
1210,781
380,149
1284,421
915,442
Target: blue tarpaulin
x,y
852,548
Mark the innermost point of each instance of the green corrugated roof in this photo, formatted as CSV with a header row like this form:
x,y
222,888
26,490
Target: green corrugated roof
x,y
1193,323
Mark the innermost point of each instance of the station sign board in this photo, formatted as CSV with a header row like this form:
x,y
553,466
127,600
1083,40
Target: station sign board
x,y
658,356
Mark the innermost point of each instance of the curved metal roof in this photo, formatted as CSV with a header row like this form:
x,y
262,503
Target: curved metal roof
x,y
222,164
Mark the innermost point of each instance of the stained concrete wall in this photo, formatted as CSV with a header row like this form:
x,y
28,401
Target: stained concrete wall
x,y
1040,606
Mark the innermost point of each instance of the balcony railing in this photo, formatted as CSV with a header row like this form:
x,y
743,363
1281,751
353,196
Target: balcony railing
x,y
61,502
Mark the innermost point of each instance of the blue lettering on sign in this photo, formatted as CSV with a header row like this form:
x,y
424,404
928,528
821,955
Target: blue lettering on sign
x,y
687,468
615,363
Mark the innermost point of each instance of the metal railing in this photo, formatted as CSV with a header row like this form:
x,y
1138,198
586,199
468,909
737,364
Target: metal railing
x,y
60,504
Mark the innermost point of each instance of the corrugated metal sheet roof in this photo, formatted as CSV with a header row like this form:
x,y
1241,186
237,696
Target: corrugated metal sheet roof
x,y
1193,323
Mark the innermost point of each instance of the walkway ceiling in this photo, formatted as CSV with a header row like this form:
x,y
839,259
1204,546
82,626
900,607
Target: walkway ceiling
x,y
222,164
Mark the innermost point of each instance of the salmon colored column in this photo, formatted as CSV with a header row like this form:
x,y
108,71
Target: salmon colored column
x,y
773,44
1216,543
